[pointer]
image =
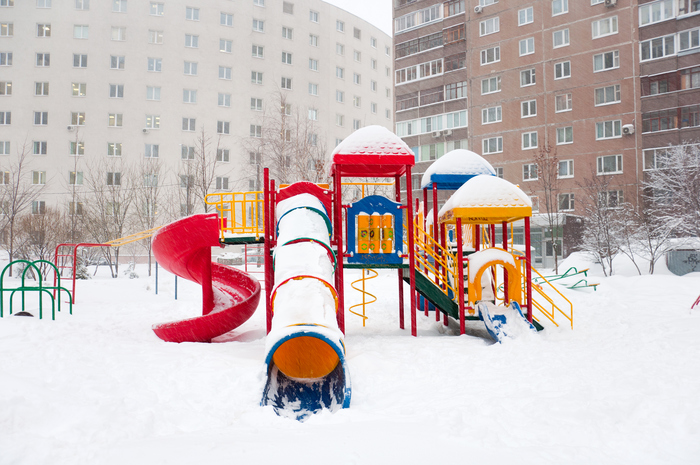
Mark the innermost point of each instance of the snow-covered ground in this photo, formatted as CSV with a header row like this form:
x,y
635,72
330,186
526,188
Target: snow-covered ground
x,y
98,387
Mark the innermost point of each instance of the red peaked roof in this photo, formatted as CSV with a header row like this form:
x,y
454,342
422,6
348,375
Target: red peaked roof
x,y
372,151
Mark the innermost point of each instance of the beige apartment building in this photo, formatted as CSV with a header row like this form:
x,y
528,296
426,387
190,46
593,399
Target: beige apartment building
x,y
86,80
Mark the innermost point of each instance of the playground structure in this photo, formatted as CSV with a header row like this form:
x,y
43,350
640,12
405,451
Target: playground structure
x,y
449,257
40,288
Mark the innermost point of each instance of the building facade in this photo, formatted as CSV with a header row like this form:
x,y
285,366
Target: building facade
x,y
603,84
83,81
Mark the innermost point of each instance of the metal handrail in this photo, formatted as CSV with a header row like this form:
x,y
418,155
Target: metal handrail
x,y
233,208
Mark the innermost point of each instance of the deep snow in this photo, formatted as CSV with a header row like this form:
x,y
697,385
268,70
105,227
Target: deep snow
x,y
99,387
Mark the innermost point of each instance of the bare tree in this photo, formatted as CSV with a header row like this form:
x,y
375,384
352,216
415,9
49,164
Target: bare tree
x,y
74,185
549,189
148,196
602,206
654,233
39,234
107,204
206,159
19,192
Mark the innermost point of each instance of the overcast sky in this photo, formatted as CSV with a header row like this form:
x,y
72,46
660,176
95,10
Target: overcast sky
x,y
377,12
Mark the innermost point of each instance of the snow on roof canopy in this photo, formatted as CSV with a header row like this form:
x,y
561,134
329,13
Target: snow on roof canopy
x,y
455,168
485,200
372,151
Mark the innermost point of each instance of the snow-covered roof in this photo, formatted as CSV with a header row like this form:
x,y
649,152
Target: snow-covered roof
x,y
456,167
372,151
485,199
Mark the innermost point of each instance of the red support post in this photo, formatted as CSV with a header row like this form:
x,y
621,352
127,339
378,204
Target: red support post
x,y
505,272
460,276
267,244
528,269
436,237
411,249
443,242
338,233
397,187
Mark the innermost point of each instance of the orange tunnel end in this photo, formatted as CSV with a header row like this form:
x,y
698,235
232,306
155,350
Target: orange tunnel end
x,y
305,357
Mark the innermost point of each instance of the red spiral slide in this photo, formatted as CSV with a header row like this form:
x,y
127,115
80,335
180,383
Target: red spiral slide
x,y
229,296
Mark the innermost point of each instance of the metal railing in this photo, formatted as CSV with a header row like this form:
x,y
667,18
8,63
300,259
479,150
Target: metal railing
x,y
240,213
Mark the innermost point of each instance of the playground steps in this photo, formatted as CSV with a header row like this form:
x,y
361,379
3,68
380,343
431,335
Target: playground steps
x,y
437,297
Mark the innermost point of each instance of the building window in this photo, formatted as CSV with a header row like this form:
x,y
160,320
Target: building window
x,y
562,102
688,40
560,7
610,164
356,78
223,155
607,95
606,61
256,104
313,40
225,45
566,169
604,27
187,152
611,199
43,59
226,19
189,96
339,96
39,177
356,124
5,150
188,124
287,33
560,38
530,172
38,207
527,46
608,129
79,4
313,89
356,101
116,91
223,127
258,51
339,120
75,178
192,14
224,100
116,62
80,31
5,118
119,6
499,172
191,41
358,56
288,8
528,108
41,118
77,118
155,65
287,58
114,178
157,9
491,115
256,77
6,58
690,79
339,26
490,55
153,121
114,149
492,145
566,202
565,135
656,48
489,26
114,120
5,87
43,3
152,93
654,12
525,16
313,16
527,77
258,25
151,151
42,30
313,114
155,37
79,61
529,140
313,64
190,68
286,83
118,33
222,183
357,33
256,131
449,36
40,147
491,85
225,73
562,70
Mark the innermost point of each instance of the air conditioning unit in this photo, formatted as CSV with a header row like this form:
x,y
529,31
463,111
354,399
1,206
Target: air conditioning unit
x,y
70,128
436,133
628,129
447,132
610,3
478,9
144,130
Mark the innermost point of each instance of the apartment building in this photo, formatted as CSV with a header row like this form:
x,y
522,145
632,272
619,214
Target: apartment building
x,y
83,81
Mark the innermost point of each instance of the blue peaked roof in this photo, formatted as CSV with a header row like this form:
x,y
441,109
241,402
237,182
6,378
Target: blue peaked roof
x,y
455,168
